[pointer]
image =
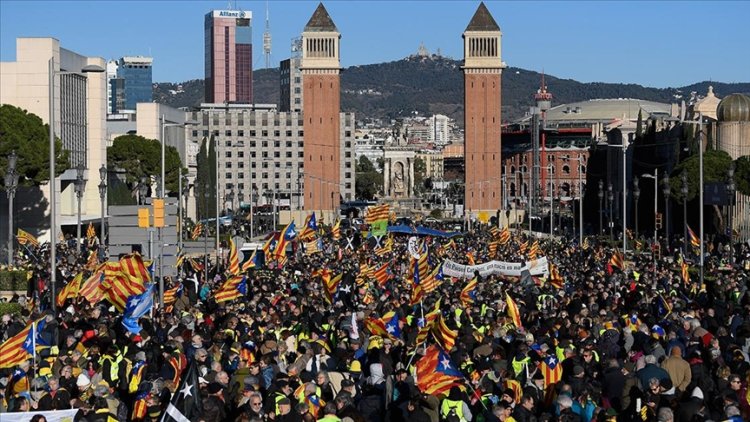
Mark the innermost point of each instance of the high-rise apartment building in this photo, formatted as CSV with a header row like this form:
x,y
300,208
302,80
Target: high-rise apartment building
x,y
229,57
322,106
439,129
482,68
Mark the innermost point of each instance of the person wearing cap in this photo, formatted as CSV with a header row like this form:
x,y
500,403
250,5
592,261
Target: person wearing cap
x,y
215,400
84,393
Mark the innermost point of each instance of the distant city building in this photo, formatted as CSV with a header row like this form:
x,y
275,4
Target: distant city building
x,y
433,161
229,57
79,111
132,84
262,149
290,74
733,113
439,129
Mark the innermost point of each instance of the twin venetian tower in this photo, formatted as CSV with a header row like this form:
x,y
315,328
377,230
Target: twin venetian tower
x,y
321,67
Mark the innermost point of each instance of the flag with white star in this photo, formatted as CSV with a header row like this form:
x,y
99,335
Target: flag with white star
x,y
436,373
185,405
551,369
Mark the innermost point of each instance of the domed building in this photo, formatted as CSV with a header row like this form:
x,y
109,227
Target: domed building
x,y
733,114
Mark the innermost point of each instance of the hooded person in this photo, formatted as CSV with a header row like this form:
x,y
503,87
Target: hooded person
x,y
454,407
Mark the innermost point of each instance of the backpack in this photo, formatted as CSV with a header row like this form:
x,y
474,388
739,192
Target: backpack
x,y
452,415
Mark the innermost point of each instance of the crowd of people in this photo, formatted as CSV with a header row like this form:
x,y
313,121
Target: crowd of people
x,y
640,341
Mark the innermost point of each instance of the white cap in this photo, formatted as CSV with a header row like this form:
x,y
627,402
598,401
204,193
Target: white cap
x,y
697,393
83,380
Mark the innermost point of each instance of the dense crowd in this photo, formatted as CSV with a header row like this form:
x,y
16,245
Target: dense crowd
x,y
637,343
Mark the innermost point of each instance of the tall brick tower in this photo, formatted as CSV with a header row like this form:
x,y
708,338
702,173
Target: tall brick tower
x,y
483,68
321,106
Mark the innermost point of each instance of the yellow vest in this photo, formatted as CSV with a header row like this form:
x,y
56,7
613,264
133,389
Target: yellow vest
x,y
449,405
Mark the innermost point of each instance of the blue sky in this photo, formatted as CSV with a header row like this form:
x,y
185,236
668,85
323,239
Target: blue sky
x,y
657,44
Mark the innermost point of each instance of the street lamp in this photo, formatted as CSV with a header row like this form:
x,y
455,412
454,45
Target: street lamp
x,y
79,184
229,197
665,192
731,188
184,190
52,172
610,198
11,183
636,196
102,197
684,191
601,199
206,188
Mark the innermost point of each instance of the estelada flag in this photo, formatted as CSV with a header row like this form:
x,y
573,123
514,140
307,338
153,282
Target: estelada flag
x,y
436,373
24,237
70,291
617,261
551,369
468,294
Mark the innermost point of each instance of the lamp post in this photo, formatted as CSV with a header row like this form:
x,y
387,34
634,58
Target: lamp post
x,y
610,198
52,172
253,206
206,188
665,192
79,184
184,190
636,196
102,197
600,193
11,183
229,197
731,188
684,191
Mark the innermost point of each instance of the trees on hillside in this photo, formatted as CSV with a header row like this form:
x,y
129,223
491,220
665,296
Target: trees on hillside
x,y
28,136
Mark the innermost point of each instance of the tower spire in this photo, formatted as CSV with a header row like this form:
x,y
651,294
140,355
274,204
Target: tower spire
x,y
267,39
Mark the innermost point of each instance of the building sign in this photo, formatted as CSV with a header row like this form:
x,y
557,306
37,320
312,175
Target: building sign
x,y
233,14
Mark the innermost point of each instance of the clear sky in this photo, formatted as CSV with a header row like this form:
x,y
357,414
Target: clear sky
x,y
659,44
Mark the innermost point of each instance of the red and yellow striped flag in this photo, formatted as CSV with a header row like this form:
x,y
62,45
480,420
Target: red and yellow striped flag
x,y
617,261
445,337
16,349
436,374
24,238
513,312
90,288
197,230
685,273
234,258
90,232
377,213
70,291
232,289
555,279
381,275
468,293
504,237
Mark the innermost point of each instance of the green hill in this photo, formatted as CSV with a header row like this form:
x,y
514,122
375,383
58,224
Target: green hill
x,y
434,84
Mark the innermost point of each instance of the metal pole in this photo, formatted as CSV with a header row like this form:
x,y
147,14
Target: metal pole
x,y
78,227
11,194
52,187
101,227
163,150
551,205
179,212
205,234
656,202
700,190
580,202
216,149
624,198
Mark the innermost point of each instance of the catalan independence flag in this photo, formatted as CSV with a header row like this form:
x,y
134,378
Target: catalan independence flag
x,y
21,346
310,229
234,258
551,369
504,237
90,232
331,285
433,280
90,289
336,230
286,236
382,275
171,295
197,230
426,323
232,289
436,373
513,312
469,292
24,238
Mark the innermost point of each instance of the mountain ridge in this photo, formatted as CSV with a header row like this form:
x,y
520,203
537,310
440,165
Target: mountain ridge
x,y
434,85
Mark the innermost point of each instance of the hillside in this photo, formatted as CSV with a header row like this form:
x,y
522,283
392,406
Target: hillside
x,y
434,84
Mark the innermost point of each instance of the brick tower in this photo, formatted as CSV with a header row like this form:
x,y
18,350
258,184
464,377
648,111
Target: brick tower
x,y
321,107
483,68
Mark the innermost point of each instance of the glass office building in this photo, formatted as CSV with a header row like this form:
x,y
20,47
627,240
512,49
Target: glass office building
x,y
132,85
229,56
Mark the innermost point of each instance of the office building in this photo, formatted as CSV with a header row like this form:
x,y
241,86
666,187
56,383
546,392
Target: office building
x,y
291,79
79,105
262,150
132,84
482,68
229,57
323,154
440,130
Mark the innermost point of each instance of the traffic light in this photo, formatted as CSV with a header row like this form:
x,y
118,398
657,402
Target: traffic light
x,y
143,218
158,212
658,220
